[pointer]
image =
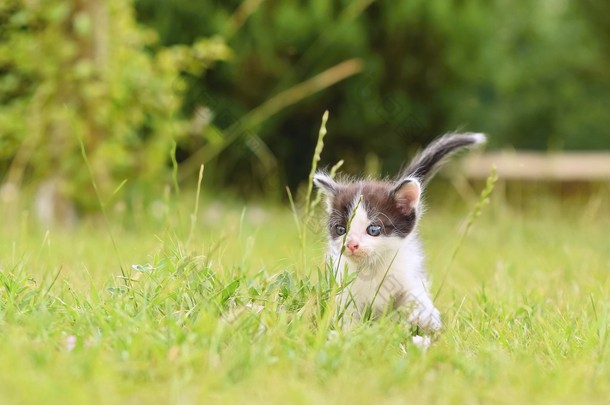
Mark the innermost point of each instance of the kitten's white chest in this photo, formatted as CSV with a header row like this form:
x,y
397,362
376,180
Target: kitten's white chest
x,y
391,280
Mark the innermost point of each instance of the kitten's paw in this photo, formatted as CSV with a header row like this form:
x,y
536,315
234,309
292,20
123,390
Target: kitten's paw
x,y
427,318
422,342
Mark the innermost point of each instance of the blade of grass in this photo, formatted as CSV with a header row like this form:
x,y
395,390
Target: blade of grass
x,y
126,278
271,107
472,217
196,210
314,162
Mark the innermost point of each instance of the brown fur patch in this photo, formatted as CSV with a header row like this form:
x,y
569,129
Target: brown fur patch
x,y
380,204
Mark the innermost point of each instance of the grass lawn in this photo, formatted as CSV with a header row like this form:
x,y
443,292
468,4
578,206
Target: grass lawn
x,y
237,313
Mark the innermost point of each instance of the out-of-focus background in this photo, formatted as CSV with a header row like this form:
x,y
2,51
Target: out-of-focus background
x,y
119,89
128,276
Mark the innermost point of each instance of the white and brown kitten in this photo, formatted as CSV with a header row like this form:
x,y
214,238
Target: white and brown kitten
x,y
372,229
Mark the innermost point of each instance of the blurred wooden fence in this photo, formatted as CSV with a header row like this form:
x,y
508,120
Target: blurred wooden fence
x,y
537,166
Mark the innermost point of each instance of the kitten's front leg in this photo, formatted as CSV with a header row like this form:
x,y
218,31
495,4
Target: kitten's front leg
x,y
422,313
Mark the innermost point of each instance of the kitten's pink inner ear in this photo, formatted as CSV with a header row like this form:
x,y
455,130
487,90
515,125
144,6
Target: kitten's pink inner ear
x,y
407,196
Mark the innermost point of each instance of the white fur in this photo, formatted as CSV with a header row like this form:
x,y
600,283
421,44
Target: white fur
x,y
479,138
387,267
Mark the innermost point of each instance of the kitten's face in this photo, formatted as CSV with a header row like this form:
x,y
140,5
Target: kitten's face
x,y
369,219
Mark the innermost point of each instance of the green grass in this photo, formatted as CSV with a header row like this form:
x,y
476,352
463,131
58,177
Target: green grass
x,y
235,317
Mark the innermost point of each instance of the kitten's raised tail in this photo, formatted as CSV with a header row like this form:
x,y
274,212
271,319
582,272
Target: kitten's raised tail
x,y
425,164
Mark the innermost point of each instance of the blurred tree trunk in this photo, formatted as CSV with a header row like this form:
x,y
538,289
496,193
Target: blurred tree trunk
x,y
92,40
87,29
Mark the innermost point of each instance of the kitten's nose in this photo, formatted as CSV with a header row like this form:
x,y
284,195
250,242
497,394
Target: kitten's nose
x,y
352,246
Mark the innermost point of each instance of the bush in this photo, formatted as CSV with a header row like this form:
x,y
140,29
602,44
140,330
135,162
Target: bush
x,y
77,72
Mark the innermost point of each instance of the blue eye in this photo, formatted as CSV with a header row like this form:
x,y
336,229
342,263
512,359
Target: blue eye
x,y
340,230
374,230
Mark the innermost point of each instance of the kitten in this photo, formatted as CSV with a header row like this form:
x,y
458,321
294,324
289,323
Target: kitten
x,y
372,229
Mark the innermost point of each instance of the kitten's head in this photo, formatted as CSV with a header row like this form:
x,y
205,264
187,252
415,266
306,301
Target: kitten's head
x,y
370,219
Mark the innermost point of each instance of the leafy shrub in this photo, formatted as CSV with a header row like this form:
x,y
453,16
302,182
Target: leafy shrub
x,y
75,72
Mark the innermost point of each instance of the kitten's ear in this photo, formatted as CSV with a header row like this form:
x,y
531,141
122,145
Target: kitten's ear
x,y
326,184
407,194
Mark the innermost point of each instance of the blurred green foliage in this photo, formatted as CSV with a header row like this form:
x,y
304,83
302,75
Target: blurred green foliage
x,y
81,73
531,74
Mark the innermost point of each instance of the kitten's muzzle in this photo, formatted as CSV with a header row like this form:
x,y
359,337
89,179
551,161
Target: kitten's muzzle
x,y
352,246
